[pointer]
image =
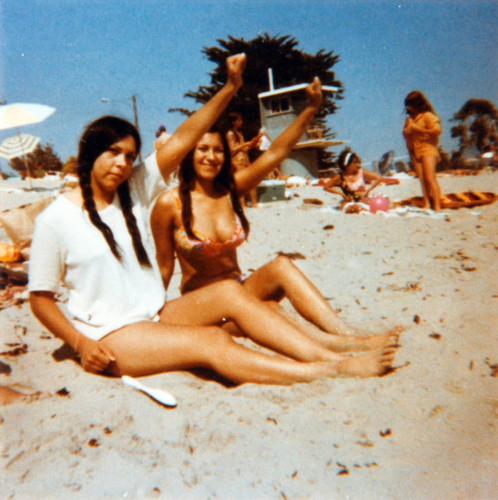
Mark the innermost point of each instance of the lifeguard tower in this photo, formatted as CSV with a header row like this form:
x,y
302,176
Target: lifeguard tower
x,y
278,108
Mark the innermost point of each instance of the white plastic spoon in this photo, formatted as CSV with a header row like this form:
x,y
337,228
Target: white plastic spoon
x,y
163,397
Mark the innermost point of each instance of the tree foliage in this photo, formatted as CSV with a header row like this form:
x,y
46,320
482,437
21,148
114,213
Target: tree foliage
x,y
289,64
476,127
70,166
40,161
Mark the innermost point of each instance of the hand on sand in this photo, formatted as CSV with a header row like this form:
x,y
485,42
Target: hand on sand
x,y
95,357
314,92
235,67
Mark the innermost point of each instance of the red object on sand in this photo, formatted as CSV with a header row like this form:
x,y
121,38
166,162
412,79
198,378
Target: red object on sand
x,y
378,203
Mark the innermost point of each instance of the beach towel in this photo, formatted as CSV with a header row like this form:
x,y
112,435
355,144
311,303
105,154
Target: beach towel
x,y
454,200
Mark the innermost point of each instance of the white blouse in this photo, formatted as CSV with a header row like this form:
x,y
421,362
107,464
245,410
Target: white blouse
x,y
104,294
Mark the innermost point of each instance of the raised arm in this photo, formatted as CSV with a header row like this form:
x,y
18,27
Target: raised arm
x,y
95,357
193,128
162,226
245,146
280,148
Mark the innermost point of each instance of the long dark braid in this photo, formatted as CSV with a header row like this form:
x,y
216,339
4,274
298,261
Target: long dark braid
x,y
131,224
98,137
93,214
223,183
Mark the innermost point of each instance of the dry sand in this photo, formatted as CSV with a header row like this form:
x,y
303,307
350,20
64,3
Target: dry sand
x,y
427,430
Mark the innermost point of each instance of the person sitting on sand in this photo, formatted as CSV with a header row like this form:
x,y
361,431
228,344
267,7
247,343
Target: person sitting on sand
x,y
352,179
95,240
203,223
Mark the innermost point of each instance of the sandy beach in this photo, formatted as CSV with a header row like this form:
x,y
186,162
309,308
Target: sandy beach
x,y
428,430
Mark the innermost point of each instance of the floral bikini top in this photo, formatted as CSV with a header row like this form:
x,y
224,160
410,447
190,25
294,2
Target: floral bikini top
x,y
204,246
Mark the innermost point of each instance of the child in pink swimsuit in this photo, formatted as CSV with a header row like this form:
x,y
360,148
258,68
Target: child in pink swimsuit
x,y
352,179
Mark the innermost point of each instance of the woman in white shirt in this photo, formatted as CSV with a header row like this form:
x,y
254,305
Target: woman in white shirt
x,y
96,241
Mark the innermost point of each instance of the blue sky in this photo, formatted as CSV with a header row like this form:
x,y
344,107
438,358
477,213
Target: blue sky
x,y
70,54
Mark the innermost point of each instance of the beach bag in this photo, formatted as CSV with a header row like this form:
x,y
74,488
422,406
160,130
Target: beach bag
x,y
19,223
9,253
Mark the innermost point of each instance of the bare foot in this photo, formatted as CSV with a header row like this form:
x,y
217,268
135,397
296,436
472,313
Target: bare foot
x,y
8,395
354,343
371,364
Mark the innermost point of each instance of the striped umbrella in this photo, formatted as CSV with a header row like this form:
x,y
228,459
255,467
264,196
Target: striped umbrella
x,y
19,114
18,145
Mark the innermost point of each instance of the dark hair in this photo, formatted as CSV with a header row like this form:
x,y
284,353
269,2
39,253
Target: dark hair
x,y
232,116
345,159
418,102
97,138
160,130
223,183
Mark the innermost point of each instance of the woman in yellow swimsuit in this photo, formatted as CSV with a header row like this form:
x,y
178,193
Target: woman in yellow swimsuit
x,y
421,132
203,223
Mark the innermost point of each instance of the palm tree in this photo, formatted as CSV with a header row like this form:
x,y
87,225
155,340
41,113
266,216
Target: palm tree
x,y
477,126
289,64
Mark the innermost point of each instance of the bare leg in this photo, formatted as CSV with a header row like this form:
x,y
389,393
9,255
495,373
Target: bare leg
x,y
429,168
352,343
281,278
336,343
146,348
8,395
253,197
417,165
227,300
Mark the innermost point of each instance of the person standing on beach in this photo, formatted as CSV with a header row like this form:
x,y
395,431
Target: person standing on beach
x,y
95,240
421,132
239,149
202,222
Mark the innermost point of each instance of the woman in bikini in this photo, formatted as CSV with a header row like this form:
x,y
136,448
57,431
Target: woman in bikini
x,y
351,182
95,240
421,132
203,223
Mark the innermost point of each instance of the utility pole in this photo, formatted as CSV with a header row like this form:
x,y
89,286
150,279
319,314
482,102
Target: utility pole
x,y
135,115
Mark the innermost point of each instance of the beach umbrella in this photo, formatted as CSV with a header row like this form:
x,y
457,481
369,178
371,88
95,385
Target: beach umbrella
x,y
19,114
18,145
